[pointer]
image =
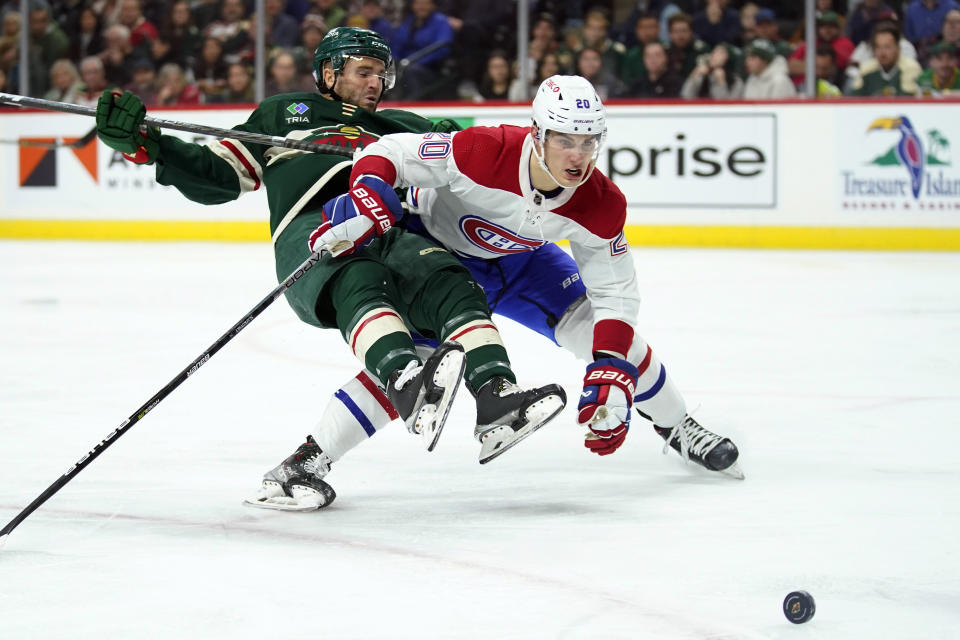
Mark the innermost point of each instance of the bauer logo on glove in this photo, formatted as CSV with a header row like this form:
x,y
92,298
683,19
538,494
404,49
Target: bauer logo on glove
x,y
355,218
604,407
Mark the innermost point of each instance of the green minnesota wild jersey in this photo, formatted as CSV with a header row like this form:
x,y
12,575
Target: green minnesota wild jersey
x,y
225,169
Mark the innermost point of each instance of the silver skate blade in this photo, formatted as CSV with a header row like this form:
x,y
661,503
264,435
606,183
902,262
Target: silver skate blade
x,y
734,471
432,418
539,413
303,498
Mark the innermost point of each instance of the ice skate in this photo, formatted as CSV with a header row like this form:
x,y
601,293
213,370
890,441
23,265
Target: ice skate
x,y
506,414
297,484
694,442
423,394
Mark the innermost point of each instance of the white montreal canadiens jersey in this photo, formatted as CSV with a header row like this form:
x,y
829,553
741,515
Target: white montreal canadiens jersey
x,y
472,190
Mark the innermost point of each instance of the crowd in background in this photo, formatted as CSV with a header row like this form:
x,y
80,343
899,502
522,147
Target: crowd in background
x,y
187,52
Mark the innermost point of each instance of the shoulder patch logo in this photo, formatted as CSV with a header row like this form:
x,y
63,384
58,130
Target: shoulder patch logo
x,y
297,108
618,245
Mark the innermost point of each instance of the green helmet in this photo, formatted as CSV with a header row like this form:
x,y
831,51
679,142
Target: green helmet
x,y
341,43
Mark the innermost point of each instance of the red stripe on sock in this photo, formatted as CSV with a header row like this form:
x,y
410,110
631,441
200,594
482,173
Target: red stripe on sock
x,y
374,390
356,332
469,329
643,366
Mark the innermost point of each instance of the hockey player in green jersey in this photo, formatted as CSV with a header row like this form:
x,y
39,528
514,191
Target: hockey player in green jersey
x,y
378,288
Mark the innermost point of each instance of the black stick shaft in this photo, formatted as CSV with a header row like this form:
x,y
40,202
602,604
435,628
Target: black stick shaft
x,y
217,132
149,405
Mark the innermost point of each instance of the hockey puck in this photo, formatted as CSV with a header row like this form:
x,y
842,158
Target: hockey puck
x,y
799,607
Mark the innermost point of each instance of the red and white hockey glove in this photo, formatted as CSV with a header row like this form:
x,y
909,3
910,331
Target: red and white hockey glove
x,y
604,407
355,218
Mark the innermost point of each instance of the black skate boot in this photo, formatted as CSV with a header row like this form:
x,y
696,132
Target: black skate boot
x,y
506,414
296,484
423,394
694,442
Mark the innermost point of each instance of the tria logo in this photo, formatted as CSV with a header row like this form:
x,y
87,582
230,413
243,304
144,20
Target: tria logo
x,y
909,150
297,108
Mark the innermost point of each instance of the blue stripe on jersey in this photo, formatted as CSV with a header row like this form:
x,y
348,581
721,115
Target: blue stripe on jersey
x,y
652,391
357,413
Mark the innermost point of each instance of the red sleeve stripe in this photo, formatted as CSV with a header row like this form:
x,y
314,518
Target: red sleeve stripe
x,y
376,166
612,336
374,390
246,163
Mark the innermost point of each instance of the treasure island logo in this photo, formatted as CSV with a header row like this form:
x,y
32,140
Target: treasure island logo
x,y
910,173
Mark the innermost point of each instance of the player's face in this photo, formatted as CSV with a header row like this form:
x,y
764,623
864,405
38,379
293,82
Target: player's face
x,y
360,82
568,156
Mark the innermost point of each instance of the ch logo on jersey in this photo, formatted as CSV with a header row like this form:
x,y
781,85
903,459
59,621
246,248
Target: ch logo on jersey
x,y
494,238
618,245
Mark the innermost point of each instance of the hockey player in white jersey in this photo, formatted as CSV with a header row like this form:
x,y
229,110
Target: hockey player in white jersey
x,y
498,198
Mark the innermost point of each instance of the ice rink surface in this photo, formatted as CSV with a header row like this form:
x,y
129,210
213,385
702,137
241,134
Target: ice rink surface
x,y
837,374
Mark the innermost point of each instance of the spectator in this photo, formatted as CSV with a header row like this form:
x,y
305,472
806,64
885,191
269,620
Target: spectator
x,y
330,10
549,65
864,50
88,40
372,14
282,30
769,29
210,71
829,77
950,33
863,17
3,80
239,86
48,43
714,77
131,16
118,55
182,36
596,35
284,77
887,73
173,88
65,82
94,81
108,10
659,79
717,23
543,40
9,40
144,83
766,80
311,33
589,64
496,80
828,32
748,22
683,49
924,18
233,30
424,27
646,30
942,78
820,7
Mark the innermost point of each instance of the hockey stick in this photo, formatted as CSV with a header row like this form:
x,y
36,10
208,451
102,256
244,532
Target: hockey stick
x,y
57,142
149,405
217,132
